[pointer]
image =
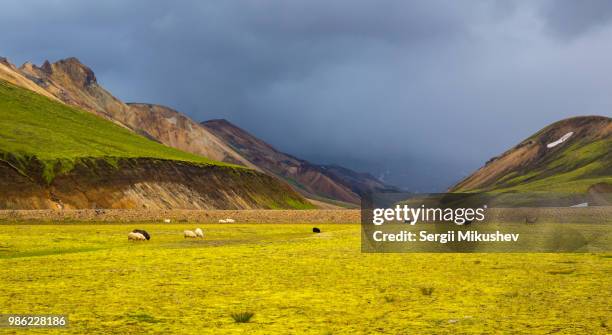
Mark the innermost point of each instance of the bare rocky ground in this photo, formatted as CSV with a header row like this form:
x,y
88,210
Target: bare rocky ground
x,y
528,215
210,216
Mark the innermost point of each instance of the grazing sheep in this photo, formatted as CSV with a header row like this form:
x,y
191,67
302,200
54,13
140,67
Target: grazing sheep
x,y
143,232
533,219
166,220
316,230
136,237
189,234
222,221
230,220
199,232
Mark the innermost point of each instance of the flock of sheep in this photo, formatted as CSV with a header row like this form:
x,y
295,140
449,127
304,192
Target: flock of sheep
x,y
139,235
143,235
193,234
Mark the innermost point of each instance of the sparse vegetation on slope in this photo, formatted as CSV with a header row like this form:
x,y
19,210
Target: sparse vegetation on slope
x,y
75,84
56,156
35,127
573,166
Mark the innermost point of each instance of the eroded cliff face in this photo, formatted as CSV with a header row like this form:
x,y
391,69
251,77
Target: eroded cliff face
x,y
144,183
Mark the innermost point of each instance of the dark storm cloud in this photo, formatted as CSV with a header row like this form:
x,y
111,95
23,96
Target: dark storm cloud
x,y
422,92
570,18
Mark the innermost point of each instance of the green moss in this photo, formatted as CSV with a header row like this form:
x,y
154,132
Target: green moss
x,y
297,204
295,282
281,203
57,136
514,178
572,170
577,155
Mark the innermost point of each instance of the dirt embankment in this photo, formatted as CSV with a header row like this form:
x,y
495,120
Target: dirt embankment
x,y
598,215
205,216
143,183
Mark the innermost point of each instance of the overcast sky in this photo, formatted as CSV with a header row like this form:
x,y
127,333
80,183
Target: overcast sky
x,y
426,90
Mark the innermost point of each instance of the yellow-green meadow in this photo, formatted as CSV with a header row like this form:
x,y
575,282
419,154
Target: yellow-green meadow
x,y
293,281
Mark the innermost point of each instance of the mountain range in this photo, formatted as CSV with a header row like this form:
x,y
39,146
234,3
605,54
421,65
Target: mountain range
x,y
71,83
312,180
148,155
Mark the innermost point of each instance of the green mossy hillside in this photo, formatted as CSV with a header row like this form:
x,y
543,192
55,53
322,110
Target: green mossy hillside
x,y
35,129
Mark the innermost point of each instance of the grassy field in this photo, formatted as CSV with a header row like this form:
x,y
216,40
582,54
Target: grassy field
x,y
32,125
293,281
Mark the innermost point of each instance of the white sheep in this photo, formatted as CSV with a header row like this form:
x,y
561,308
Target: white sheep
x,y
189,234
166,220
222,221
136,237
199,232
230,220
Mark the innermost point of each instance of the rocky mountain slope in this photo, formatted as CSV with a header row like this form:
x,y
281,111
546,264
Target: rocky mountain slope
x,y
9,73
178,131
73,83
330,182
572,155
358,182
54,156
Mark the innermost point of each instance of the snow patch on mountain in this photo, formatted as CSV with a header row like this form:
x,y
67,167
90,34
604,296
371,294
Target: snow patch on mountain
x,y
561,140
